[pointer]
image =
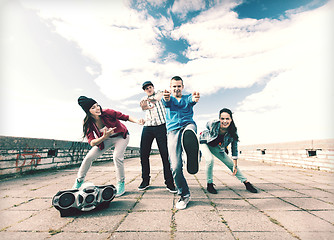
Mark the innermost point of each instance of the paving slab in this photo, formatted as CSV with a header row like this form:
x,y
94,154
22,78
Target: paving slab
x,y
249,221
233,204
41,221
309,203
301,221
292,203
24,235
140,235
199,221
272,204
101,221
203,235
79,235
324,214
265,235
150,204
147,221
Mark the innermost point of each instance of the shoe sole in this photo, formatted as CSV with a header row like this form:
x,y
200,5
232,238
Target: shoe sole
x,y
142,189
190,145
252,191
171,191
212,192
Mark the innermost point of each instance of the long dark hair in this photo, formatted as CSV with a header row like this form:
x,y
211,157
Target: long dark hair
x,y
232,129
87,123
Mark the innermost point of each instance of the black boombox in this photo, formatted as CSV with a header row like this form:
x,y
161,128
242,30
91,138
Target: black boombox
x,y
87,198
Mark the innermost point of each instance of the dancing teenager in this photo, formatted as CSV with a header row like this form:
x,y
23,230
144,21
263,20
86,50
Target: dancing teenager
x,y
104,130
181,135
154,128
213,142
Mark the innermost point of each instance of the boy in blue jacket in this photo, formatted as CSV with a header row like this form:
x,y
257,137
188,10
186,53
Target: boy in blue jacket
x,y
181,135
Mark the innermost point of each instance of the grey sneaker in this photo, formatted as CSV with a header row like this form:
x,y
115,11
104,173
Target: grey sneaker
x,y
182,203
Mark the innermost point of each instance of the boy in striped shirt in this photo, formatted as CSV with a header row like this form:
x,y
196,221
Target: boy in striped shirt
x,y
154,128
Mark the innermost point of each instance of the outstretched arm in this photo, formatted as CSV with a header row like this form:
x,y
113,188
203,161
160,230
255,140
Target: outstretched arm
x,y
134,120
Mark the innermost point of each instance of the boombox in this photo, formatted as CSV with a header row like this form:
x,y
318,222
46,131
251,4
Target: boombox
x,y
87,198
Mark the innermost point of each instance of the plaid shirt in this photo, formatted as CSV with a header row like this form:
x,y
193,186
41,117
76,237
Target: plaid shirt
x,y
110,119
157,115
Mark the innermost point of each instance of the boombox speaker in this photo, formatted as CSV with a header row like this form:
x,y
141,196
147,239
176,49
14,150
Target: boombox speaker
x,y
87,198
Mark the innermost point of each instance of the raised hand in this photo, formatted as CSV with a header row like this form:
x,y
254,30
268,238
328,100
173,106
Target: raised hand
x,y
144,105
196,96
141,121
107,132
167,95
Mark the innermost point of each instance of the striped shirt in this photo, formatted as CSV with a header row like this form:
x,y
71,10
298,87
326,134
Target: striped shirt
x,y
157,115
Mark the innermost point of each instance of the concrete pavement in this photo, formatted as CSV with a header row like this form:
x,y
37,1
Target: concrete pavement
x,y
292,203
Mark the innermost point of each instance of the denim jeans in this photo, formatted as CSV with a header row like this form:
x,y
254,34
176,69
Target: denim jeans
x,y
175,156
120,145
209,153
159,133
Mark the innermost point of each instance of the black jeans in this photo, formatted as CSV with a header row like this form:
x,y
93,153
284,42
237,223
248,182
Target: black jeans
x,y
150,133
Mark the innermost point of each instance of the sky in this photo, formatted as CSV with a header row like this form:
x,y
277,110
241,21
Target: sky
x,y
268,61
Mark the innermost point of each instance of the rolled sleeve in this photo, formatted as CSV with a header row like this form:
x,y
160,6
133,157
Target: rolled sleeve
x,y
234,148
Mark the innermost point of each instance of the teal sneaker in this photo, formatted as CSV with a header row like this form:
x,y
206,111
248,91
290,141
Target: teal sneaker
x,y
77,184
120,189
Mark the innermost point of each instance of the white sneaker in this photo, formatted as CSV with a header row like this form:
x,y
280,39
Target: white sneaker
x,y
182,203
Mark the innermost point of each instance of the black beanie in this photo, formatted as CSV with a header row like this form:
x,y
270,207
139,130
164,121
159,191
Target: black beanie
x,y
86,103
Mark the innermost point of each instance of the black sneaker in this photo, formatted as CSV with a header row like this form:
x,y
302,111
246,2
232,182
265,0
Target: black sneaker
x,y
171,188
191,147
250,187
144,185
211,188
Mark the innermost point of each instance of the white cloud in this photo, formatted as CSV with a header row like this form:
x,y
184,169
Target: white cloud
x,y
92,71
224,52
297,104
123,41
227,52
182,7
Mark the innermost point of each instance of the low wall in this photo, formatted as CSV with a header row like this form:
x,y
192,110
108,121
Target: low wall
x,y
312,154
22,155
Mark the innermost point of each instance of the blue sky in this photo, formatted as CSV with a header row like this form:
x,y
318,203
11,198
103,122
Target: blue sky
x,y
268,61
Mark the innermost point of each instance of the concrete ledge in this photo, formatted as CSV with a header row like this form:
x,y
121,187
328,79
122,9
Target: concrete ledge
x,y
27,155
311,154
